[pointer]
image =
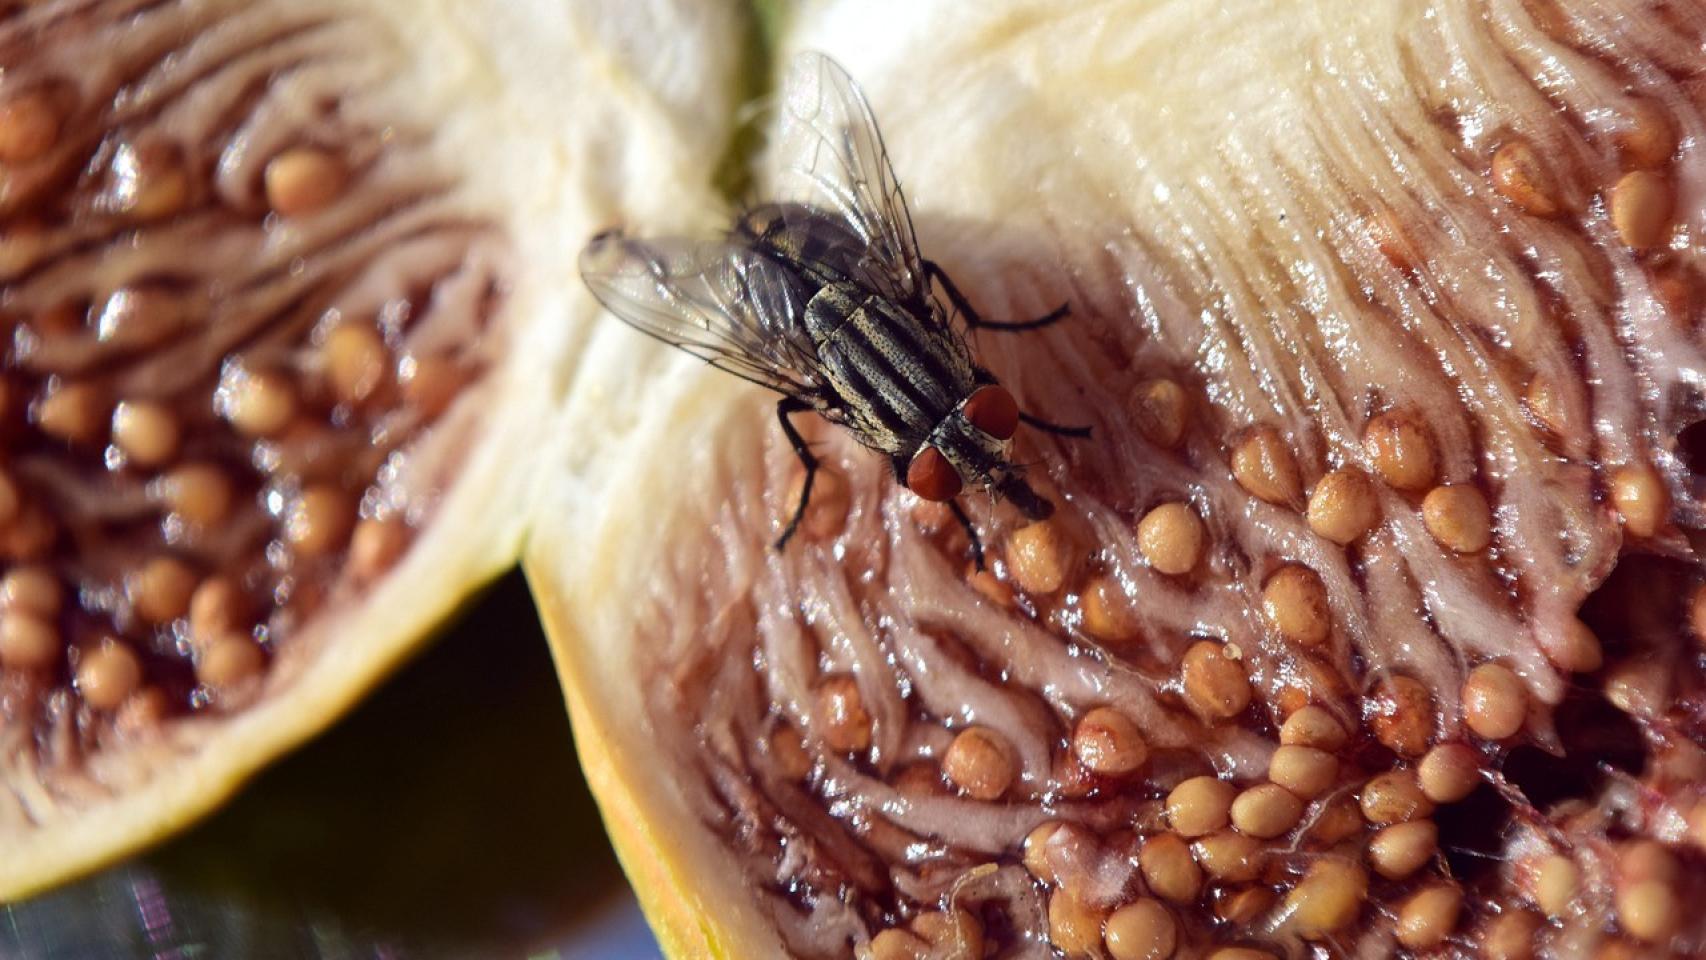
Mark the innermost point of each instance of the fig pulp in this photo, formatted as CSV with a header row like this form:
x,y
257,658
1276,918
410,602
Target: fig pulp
x,y
1385,319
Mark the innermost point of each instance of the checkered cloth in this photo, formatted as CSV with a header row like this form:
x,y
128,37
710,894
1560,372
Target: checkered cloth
x,y
131,912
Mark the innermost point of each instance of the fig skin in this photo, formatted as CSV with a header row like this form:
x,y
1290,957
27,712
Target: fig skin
x,y
666,868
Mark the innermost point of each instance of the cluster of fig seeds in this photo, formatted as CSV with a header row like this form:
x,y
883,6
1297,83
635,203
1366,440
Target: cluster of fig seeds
x,y
1335,818
239,510
1346,823
1331,819
1640,205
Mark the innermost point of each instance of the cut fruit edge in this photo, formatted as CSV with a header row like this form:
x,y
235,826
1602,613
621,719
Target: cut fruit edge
x,y
580,584
593,118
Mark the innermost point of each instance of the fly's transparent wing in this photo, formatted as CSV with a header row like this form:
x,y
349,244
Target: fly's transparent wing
x,y
832,158
719,301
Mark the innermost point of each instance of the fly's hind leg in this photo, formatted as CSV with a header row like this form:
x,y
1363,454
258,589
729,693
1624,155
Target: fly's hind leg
x,y
786,407
934,271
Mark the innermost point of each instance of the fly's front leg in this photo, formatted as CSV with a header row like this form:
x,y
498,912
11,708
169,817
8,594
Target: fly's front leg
x,y
933,271
786,407
971,531
1054,428
982,376
899,464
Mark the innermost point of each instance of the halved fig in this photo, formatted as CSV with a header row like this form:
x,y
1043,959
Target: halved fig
x,y
288,315
1386,320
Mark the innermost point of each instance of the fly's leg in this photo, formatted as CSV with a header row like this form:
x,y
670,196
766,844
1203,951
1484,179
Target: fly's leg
x,y
983,376
971,531
899,465
933,271
1054,428
786,407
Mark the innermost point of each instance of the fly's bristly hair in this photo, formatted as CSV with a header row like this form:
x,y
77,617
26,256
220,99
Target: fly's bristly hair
x,y
822,296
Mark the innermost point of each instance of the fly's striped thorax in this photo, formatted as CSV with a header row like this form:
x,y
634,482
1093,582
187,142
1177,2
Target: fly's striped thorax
x,y
896,378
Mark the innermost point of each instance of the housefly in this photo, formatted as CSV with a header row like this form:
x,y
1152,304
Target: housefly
x,y
823,297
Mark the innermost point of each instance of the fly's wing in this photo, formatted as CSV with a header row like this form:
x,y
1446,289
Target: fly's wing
x,y
833,160
719,301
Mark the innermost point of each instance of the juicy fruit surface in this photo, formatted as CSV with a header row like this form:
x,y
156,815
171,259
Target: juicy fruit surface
x,y
279,353
231,341
1386,320
242,314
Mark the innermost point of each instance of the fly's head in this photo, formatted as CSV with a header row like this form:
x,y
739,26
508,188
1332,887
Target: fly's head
x,y
971,446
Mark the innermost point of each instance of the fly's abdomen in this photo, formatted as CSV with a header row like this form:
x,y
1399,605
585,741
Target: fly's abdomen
x,y
818,244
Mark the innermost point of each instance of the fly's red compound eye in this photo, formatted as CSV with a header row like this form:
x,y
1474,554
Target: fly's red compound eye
x,y
931,476
994,411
